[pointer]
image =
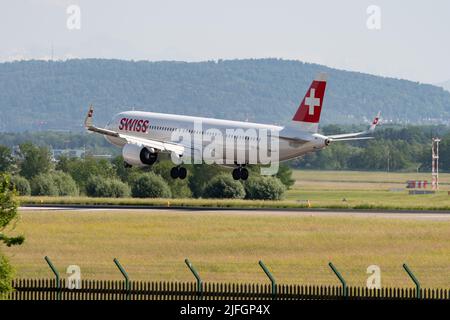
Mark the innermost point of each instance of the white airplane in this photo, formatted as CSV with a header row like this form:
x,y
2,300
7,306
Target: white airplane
x,y
144,136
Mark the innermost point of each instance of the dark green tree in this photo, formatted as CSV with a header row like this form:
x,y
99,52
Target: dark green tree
x,y
63,164
44,185
8,214
82,169
35,160
6,159
201,175
444,153
21,185
285,175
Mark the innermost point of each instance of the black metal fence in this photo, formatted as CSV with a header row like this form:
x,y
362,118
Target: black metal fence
x,y
47,289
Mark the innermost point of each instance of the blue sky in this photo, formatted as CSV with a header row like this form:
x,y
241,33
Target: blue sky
x,y
411,44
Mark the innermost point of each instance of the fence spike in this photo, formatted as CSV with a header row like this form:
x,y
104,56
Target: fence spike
x,y
414,279
271,278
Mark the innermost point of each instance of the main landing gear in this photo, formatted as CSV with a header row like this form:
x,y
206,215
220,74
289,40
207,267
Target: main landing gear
x,y
178,172
240,173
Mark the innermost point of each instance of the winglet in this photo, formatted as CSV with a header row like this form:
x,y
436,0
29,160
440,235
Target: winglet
x,y
374,123
88,120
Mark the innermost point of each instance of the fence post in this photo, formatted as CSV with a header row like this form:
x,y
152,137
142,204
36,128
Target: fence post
x,y
57,278
271,278
125,275
341,279
196,275
414,279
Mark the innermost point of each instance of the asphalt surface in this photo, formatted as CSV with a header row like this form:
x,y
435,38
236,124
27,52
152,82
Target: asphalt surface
x,y
404,214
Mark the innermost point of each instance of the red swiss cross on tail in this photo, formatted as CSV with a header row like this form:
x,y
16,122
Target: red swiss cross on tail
x,y
308,113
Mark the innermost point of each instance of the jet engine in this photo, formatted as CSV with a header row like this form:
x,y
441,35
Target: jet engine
x,y
137,155
320,141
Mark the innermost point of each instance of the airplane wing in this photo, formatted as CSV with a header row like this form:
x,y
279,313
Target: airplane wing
x,y
178,149
357,135
162,146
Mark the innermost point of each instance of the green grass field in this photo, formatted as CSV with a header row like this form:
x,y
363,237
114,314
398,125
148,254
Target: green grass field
x,y
356,189
227,246
361,180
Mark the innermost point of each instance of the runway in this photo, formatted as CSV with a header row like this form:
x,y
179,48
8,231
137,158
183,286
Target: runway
x,y
300,212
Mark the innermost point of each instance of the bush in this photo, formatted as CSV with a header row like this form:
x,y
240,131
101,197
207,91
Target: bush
x,y
201,175
55,183
224,186
83,169
119,189
264,188
65,184
96,187
21,185
150,185
43,185
108,188
180,189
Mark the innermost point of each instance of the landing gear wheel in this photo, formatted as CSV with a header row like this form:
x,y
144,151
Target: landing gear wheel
x,y
237,173
126,165
244,174
178,172
174,172
182,173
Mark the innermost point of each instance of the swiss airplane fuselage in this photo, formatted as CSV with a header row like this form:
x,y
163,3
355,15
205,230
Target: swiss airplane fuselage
x,y
237,135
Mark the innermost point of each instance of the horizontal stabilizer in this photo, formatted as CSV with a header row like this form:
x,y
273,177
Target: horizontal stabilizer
x,y
370,130
351,139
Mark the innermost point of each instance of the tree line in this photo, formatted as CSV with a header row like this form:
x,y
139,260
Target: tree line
x,y
392,149
395,148
34,172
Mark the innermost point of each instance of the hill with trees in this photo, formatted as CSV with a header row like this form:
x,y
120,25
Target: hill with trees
x,y
54,95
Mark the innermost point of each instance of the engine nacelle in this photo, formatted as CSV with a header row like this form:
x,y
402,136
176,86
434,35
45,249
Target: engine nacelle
x,y
140,156
320,141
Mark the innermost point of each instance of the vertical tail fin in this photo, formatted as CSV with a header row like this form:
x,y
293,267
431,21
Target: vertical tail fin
x,y
374,123
308,113
88,120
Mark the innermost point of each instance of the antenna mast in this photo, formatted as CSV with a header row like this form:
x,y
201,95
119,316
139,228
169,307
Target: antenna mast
x,y
435,163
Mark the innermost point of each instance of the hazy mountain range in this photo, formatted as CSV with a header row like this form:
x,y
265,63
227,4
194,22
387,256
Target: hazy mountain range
x,y
43,95
445,85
